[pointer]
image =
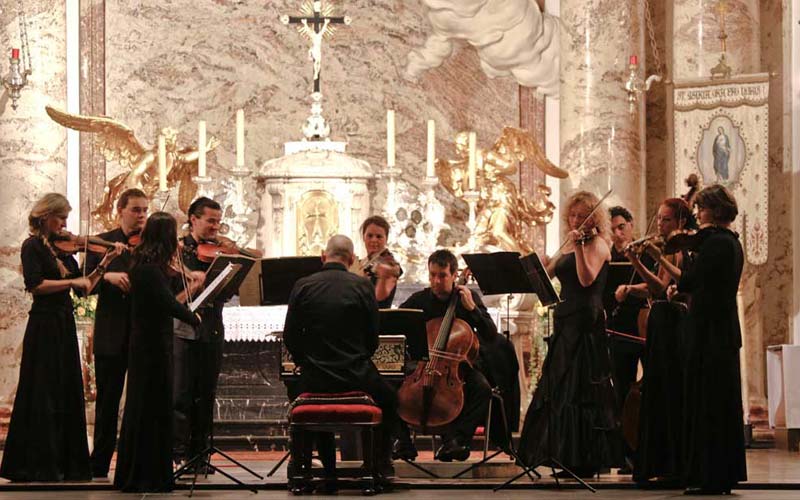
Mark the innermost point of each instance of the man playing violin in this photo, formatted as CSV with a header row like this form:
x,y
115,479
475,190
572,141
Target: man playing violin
x,y
197,352
112,327
443,272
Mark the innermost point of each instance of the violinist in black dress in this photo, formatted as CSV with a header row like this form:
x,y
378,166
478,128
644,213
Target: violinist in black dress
x,y
46,438
112,325
658,455
572,415
713,436
144,460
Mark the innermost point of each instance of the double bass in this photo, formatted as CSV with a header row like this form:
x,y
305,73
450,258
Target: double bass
x,y
433,395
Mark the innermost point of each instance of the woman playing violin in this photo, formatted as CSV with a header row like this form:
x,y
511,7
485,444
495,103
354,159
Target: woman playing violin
x,y
379,265
714,456
47,433
658,455
575,394
144,460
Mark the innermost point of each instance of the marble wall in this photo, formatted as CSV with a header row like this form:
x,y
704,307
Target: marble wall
x,y
602,142
178,62
696,30
32,162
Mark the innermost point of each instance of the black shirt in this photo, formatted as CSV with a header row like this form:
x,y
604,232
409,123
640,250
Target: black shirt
x,y
433,307
112,319
331,327
211,329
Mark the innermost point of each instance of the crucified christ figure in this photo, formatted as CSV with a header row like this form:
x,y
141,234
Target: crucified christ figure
x,y
315,51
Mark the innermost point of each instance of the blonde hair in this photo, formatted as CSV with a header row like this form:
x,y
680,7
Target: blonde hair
x,y
49,204
600,216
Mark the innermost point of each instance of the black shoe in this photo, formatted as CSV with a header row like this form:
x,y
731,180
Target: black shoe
x,y
327,487
404,450
581,473
452,450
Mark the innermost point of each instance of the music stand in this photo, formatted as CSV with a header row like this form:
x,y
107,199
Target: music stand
x,y
223,279
547,295
278,277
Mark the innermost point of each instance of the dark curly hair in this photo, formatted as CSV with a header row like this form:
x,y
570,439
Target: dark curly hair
x,y
159,241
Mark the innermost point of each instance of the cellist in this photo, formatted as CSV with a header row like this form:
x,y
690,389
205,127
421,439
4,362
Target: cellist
x,y
442,272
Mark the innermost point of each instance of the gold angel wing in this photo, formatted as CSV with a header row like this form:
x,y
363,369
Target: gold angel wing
x,y
520,144
116,139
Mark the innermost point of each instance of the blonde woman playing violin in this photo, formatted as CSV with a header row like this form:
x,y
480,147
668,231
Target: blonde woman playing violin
x,y
574,401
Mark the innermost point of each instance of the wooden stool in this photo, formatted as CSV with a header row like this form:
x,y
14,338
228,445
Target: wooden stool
x,y
332,412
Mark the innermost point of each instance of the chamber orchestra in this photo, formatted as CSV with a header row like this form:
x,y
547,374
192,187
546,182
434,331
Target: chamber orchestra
x,y
641,372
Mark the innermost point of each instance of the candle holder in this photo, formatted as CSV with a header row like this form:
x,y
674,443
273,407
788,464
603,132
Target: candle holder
x,y
635,85
471,197
159,200
202,184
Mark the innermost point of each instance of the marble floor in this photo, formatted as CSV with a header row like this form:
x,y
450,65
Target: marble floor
x,y
773,474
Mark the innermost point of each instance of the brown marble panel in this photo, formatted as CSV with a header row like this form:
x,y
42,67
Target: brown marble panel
x,y
532,118
657,164
92,100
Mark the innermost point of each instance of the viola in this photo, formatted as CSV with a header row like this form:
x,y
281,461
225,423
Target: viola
x,y
639,246
685,239
209,250
433,395
68,243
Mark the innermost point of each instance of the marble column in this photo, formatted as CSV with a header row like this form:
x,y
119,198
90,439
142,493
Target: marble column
x,y
695,37
32,162
602,142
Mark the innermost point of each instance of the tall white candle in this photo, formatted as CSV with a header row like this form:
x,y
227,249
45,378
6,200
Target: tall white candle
x,y
201,148
240,138
390,145
162,163
473,139
431,170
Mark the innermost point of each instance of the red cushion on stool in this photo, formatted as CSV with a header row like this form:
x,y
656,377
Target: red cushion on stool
x,y
335,414
331,395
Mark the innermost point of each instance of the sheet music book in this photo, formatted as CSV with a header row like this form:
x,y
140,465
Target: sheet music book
x,y
507,272
213,289
541,281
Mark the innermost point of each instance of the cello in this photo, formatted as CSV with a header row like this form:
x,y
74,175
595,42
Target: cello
x,y
433,395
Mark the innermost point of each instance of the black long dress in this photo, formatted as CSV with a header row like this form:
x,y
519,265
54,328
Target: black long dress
x,y
661,411
144,460
47,433
713,444
575,394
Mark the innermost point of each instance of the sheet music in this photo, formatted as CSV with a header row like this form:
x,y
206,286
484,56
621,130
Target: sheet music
x,y
213,287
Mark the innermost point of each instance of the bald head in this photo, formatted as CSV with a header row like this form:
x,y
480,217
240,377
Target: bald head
x,y
339,249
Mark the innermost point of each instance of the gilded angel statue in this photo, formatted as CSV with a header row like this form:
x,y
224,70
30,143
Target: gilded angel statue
x,y
503,217
118,142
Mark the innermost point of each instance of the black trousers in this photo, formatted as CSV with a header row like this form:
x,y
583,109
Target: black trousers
x,y
109,374
372,383
197,364
477,392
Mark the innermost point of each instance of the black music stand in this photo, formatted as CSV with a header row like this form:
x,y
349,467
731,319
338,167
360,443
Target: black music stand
x,y
223,279
549,298
278,276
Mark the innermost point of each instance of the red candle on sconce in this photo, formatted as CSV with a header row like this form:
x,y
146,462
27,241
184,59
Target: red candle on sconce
x,y
14,53
634,60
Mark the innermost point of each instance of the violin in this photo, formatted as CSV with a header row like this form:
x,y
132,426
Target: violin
x,y
638,246
433,395
685,239
134,239
68,243
587,235
383,257
209,250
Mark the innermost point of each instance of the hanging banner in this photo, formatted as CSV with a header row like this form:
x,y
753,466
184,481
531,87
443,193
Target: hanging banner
x,y
722,135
